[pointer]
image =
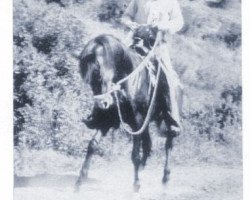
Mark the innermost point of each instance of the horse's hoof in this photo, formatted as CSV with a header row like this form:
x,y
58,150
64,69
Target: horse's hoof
x,y
77,186
80,181
137,186
165,178
77,189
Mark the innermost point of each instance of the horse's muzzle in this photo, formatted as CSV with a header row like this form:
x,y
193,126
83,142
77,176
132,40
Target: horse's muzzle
x,y
105,102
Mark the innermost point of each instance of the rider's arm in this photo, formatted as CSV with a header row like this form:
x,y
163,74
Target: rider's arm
x,y
175,23
128,17
131,10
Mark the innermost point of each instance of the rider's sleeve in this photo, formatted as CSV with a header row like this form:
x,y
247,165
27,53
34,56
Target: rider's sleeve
x,y
175,22
131,9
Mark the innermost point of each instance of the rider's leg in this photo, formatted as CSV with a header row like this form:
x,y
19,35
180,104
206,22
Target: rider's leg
x,y
175,87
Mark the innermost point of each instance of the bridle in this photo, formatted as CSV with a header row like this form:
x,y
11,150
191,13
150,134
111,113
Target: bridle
x,y
116,87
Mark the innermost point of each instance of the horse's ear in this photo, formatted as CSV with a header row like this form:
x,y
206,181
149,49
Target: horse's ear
x,y
155,29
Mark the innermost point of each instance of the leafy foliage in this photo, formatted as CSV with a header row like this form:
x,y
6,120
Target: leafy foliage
x,y
50,99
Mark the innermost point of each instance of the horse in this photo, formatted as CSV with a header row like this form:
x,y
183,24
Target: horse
x,y
105,61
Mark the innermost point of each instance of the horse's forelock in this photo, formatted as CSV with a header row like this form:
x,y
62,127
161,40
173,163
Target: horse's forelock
x,y
87,60
118,57
113,49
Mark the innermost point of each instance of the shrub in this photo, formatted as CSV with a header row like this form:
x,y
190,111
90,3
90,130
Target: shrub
x,y
50,99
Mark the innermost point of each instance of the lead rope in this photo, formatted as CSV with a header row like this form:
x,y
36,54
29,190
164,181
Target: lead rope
x,y
136,70
149,113
151,106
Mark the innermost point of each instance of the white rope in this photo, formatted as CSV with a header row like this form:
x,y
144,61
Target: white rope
x,y
149,112
143,64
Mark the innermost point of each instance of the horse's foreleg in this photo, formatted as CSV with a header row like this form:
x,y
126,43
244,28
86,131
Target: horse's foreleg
x,y
146,147
168,147
136,160
92,148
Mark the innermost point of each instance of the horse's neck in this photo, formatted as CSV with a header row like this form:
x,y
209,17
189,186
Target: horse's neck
x,y
138,85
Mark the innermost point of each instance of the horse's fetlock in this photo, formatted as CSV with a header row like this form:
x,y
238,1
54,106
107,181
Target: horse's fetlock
x,y
166,172
136,159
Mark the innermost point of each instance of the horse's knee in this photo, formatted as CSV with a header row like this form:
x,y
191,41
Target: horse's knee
x,y
146,144
169,142
146,147
92,147
135,157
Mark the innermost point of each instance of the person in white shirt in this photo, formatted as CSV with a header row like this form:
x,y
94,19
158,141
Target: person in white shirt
x,y
167,16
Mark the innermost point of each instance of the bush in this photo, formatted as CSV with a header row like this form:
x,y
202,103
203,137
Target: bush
x,y
50,99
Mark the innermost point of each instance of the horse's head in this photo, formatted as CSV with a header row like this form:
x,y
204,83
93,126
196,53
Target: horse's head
x,y
144,38
103,62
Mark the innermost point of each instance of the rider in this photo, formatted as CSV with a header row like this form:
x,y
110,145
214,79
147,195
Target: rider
x,y
167,16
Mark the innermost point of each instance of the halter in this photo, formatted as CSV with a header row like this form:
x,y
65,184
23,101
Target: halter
x,y
116,87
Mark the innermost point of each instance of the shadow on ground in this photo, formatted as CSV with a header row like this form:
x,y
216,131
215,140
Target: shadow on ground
x,y
48,180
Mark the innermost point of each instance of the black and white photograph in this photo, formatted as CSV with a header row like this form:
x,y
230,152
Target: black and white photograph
x,y
127,100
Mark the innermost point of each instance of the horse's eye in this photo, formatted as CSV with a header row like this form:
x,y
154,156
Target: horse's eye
x,y
136,40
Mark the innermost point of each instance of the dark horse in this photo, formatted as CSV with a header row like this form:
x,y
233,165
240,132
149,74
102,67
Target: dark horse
x,y
104,61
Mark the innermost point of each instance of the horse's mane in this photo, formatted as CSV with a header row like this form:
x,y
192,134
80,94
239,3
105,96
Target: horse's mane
x,y
121,58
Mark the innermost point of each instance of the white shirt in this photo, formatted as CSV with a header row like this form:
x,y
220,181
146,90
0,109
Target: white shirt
x,y
166,14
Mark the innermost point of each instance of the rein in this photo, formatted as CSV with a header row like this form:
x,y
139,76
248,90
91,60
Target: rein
x,y
116,87
150,109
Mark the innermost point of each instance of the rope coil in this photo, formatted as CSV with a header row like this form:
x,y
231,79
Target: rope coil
x,y
149,112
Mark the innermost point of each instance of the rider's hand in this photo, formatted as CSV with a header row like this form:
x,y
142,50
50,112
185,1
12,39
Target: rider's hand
x,y
133,25
164,35
129,23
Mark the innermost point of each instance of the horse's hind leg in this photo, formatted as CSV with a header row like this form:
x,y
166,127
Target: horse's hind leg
x,y
92,148
136,160
168,147
146,147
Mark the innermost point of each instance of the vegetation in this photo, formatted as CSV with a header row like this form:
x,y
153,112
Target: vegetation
x,y
50,99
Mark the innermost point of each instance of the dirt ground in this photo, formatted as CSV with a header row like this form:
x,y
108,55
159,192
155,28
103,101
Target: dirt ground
x,y
114,182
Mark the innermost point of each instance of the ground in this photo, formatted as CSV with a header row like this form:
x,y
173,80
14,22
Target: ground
x,y
113,181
